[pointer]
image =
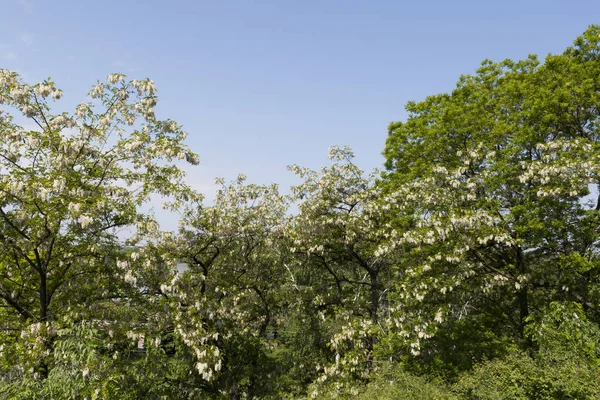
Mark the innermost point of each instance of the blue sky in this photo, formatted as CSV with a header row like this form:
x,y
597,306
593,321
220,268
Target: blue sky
x,y
263,84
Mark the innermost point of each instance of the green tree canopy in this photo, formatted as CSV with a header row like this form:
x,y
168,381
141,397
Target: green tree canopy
x,y
498,174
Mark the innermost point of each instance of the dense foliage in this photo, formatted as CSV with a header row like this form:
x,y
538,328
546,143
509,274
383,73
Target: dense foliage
x,y
468,269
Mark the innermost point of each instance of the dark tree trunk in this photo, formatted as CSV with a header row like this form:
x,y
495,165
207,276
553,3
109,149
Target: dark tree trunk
x,y
234,394
522,298
371,339
43,297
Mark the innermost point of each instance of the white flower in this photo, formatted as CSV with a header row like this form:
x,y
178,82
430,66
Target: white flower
x,y
201,367
114,78
105,121
97,91
43,90
58,185
82,110
129,278
193,159
29,111
85,220
17,187
43,193
19,94
164,288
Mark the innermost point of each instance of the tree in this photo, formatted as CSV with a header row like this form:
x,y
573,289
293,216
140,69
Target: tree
x,y
496,175
345,250
226,304
67,187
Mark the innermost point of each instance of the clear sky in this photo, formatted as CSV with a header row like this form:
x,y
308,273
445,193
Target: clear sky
x,y
263,84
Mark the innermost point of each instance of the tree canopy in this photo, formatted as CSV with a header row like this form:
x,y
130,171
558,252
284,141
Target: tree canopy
x,y
469,268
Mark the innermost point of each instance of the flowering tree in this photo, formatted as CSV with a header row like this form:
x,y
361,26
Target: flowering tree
x,y
479,242
342,235
496,174
66,187
226,304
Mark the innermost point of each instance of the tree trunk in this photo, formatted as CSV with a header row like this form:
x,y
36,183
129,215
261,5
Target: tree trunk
x,y
371,339
43,297
43,366
522,298
234,394
374,297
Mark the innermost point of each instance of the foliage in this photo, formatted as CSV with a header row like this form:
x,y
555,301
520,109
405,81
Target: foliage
x,y
344,250
468,269
396,384
495,175
67,187
565,366
226,304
